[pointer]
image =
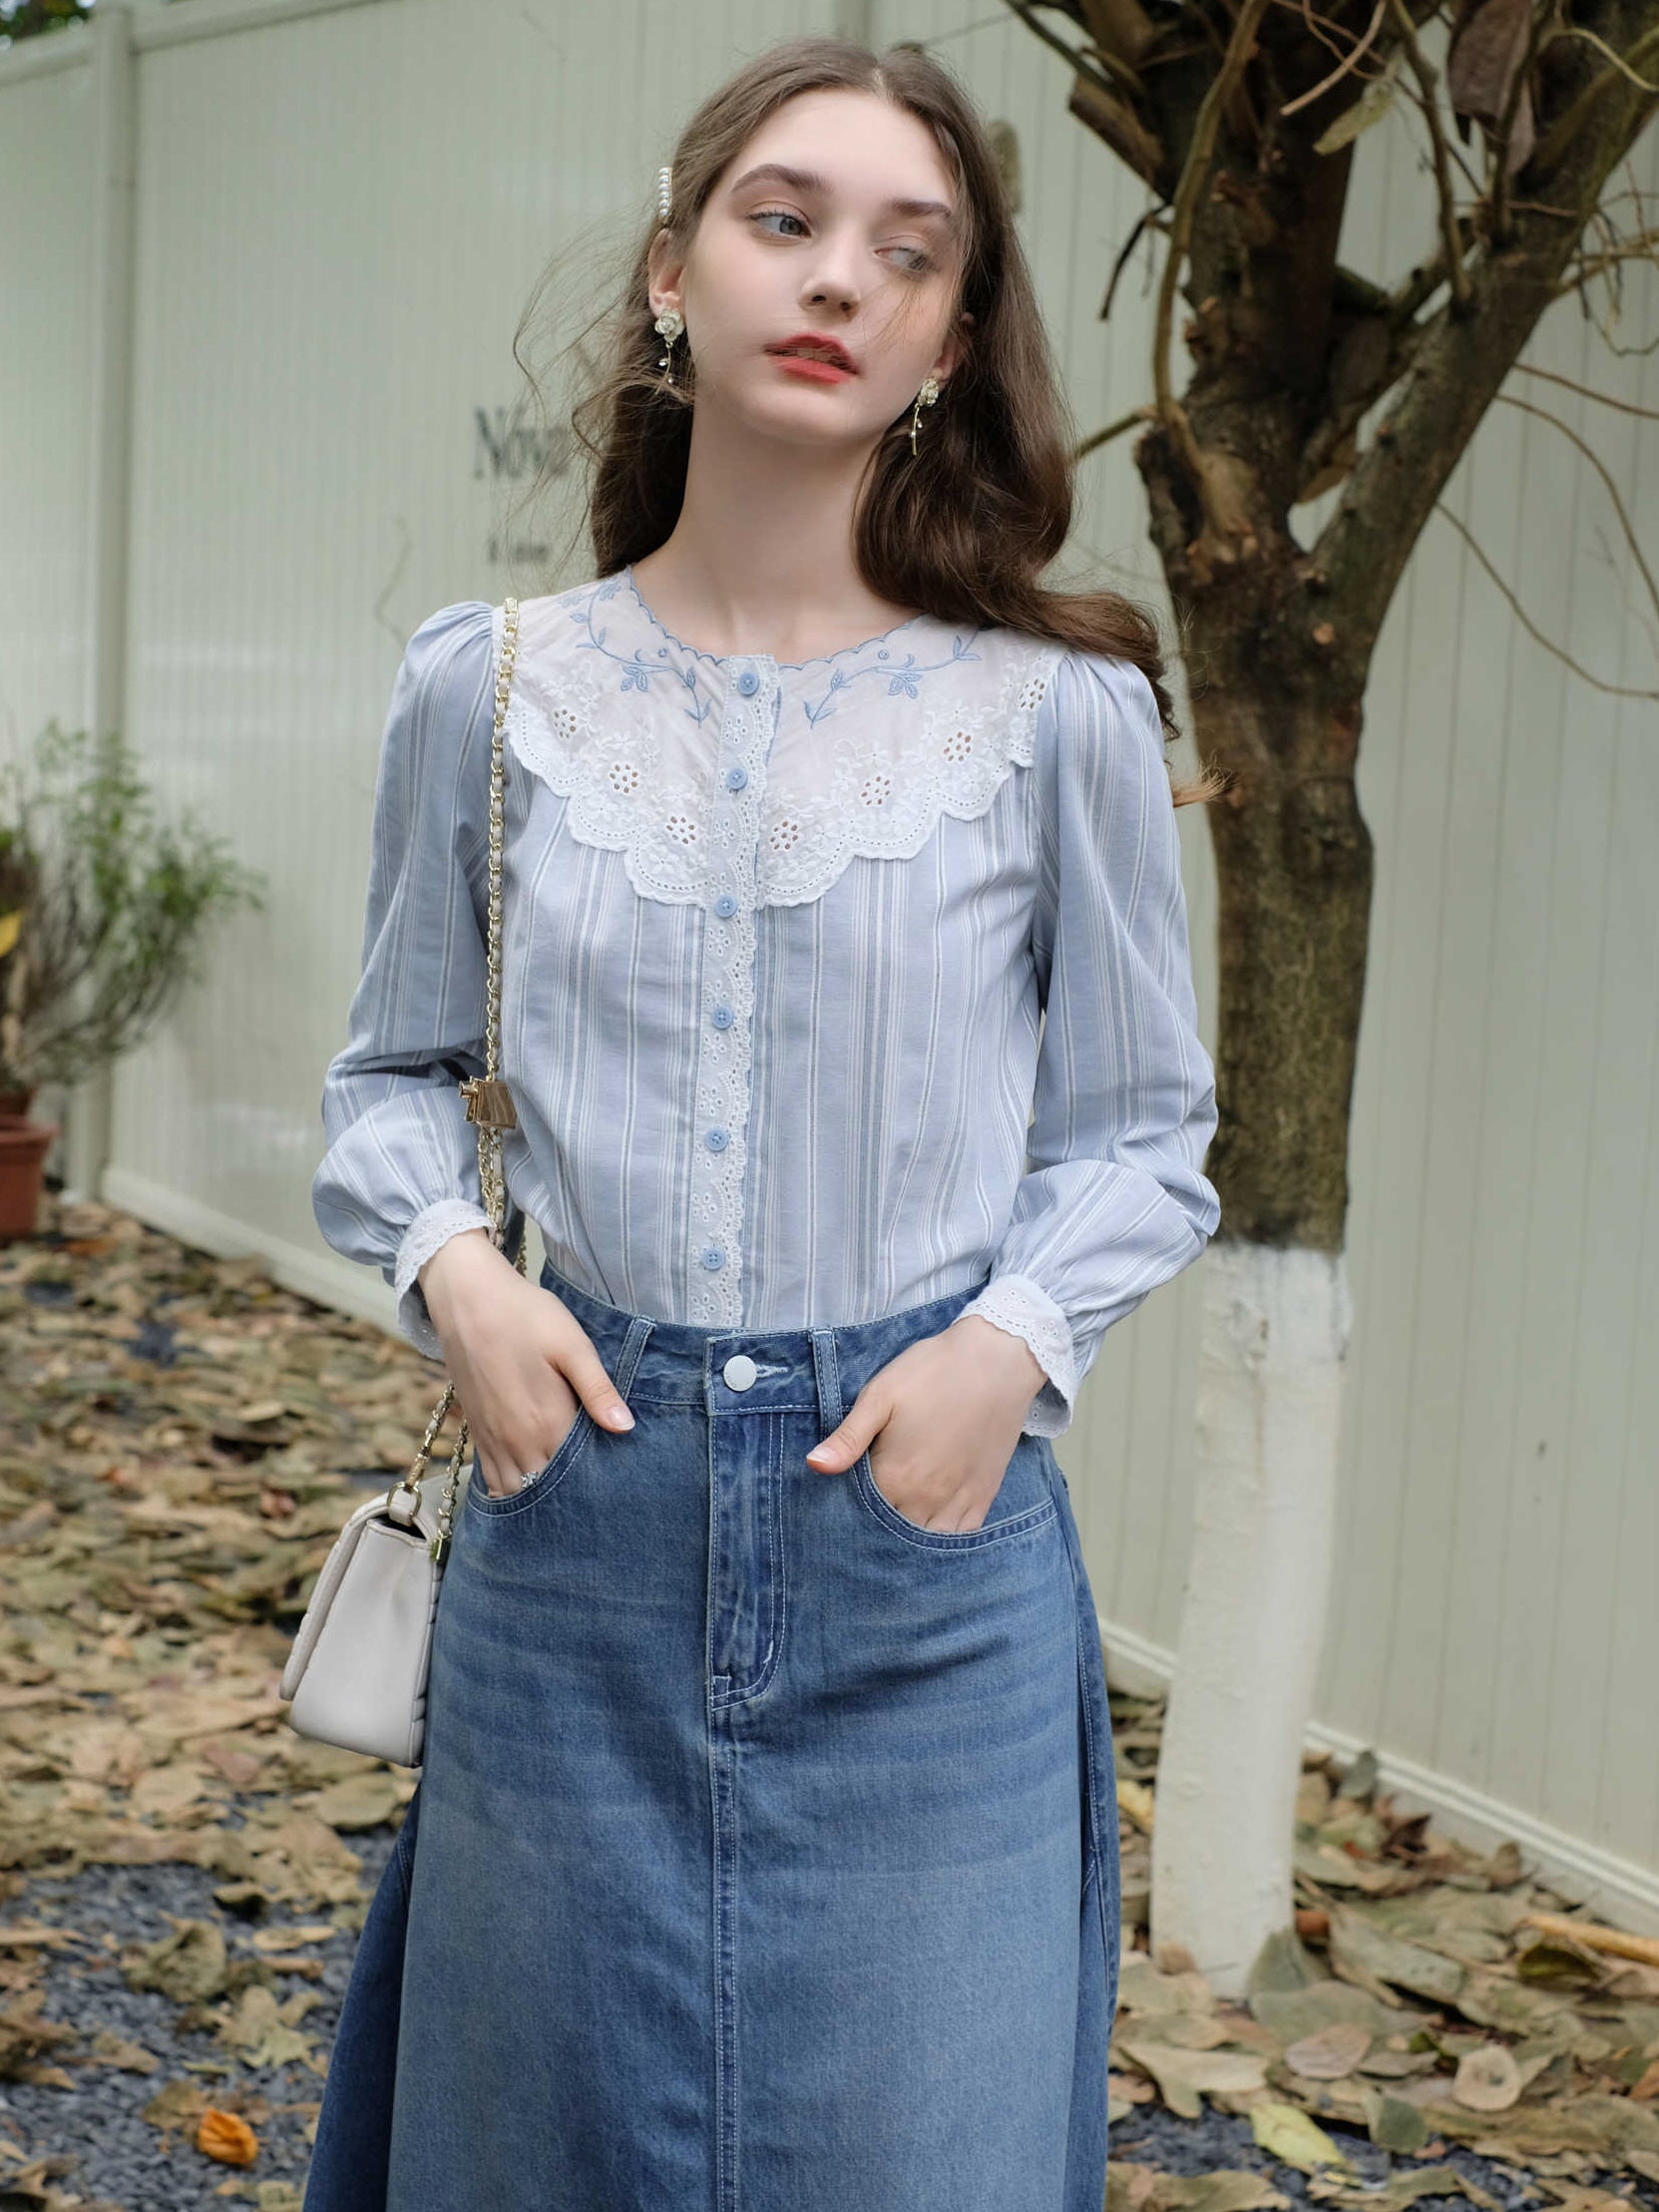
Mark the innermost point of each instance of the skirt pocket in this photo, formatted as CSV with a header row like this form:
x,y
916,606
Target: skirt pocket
x,y
1024,1501
480,1500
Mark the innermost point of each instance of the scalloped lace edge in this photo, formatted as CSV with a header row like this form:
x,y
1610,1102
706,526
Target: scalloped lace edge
x,y
596,817
1026,1310
432,1227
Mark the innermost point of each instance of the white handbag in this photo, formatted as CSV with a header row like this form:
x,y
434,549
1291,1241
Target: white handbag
x,y
356,1675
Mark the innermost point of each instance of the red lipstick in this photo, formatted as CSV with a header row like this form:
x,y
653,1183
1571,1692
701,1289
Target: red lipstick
x,y
813,353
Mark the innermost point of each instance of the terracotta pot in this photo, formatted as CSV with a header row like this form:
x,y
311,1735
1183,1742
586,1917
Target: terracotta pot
x,y
23,1150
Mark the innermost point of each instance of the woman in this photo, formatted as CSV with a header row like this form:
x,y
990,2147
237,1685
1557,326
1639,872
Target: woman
x,y
764,1856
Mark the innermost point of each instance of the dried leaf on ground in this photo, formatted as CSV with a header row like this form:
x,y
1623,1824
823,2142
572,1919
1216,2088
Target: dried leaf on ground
x,y
1288,2133
188,1439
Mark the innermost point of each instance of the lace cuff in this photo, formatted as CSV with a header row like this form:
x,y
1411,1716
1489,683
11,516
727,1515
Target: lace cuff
x,y
433,1226
1026,1310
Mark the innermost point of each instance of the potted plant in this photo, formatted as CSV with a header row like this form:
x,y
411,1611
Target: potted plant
x,y
101,916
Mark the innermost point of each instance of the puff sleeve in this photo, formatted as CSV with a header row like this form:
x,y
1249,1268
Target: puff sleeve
x,y
1113,1201
400,1173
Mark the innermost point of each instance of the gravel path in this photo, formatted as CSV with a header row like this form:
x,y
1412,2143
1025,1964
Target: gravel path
x,y
112,2156
1156,2136
110,2151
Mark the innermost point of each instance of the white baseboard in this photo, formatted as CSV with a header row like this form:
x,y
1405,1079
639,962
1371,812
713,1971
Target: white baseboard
x,y
1618,1891
324,1276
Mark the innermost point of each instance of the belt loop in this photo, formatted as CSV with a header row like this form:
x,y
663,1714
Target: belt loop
x,y
634,1344
828,1370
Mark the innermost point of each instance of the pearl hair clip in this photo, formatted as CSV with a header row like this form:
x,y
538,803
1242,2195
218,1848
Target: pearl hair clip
x,y
665,179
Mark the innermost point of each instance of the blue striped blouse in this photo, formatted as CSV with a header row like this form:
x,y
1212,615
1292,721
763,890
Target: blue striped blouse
x,y
828,988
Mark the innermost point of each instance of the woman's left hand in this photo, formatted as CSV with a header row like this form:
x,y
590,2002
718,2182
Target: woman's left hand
x,y
949,1410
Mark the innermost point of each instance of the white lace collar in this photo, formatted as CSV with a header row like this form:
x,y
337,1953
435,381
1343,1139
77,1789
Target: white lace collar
x,y
659,748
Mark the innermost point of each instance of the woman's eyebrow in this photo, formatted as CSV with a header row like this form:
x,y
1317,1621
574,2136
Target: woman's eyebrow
x,y
808,181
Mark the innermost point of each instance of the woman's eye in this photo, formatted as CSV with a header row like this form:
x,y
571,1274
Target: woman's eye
x,y
918,265
769,214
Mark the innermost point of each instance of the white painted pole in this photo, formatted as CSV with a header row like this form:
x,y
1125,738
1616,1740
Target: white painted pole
x,y
1275,1328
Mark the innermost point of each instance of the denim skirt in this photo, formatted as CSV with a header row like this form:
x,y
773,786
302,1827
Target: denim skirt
x,y
763,1857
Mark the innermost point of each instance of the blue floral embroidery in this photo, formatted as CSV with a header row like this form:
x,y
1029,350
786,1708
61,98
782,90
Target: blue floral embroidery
x,y
637,670
903,677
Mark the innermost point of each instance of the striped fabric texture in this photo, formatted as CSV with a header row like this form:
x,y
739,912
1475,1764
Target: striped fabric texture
x,y
828,988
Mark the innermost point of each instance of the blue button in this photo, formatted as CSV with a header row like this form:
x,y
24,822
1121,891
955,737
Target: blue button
x,y
725,904
716,1140
737,778
713,1257
748,683
722,1017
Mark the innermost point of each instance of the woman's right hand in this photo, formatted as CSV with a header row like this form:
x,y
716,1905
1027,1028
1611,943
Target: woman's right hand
x,y
522,1364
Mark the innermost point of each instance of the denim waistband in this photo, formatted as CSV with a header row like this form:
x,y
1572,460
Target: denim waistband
x,y
794,1370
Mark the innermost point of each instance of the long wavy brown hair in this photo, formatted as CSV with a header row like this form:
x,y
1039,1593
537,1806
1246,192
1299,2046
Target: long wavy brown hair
x,y
962,528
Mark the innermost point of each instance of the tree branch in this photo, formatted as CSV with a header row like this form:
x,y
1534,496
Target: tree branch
x,y
1588,391
1499,221
1460,363
1098,438
1344,68
1072,55
1348,410
1509,399
1617,690
1567,127
1147,220
1195,178
1630,249
1451,244
1577,30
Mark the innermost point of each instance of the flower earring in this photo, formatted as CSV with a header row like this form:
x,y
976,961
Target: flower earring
x,y
671,322
924,398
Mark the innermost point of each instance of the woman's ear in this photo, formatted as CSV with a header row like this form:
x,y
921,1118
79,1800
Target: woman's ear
x,y
955,349
663,275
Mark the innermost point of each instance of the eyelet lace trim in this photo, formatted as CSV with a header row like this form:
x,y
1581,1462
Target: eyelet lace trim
x,y
725,1050
868,776
879,786
1026,1310
432,1227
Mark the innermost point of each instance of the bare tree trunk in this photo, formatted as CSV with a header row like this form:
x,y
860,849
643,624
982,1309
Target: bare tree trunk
x,y
1294,869
1270,1389
1221,109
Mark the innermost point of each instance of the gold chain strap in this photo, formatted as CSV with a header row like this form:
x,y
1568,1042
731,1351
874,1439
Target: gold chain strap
x,y
489,1102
